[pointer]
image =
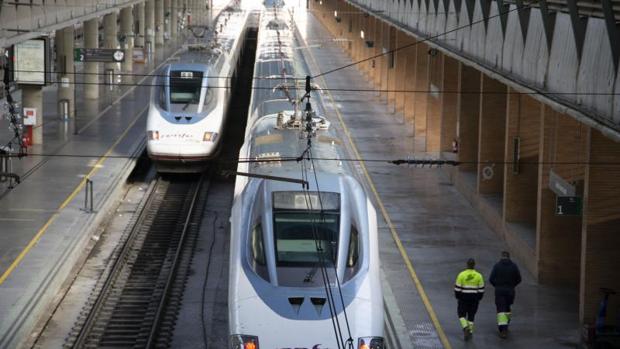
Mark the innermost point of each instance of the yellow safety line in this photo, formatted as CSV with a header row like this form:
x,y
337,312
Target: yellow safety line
x,y
64,204
414,276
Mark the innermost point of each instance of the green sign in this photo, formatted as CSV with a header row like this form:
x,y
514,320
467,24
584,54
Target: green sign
x,y
105,55
568,206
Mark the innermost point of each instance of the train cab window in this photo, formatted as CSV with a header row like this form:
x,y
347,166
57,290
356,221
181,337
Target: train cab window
x,y
185,87
303,234
257,245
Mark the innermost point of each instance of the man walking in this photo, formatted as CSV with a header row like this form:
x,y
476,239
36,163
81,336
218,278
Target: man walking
x,y
468,290
504,277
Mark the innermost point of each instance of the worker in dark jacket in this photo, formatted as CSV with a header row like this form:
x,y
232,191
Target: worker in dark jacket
x,y
505,276
468,290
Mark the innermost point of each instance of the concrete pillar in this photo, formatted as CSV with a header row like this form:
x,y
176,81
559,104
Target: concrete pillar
x,y
600,238
434,100
392,57
128,34
523,120
468,109
175,6
149,15
421,98
91,69
376,51
167,18
110,36
159,22
410,72
492,135
32,97
402,40
65,39
558,243
449,103
140,24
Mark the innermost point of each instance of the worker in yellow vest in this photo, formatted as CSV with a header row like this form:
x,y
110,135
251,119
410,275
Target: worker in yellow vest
x,y
468,290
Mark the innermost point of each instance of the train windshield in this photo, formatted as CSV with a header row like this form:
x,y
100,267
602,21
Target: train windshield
x,y
303,238
185,87
303,234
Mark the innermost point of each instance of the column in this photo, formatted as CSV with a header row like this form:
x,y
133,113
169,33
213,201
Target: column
x,y
523,120
449,103
174,16
91,69
159,22
558,243
421,97
409,85
66,68
601,219
468,109
110,36
128,35
32,97
149,14
167,19
402,39
140,27
492,135
434,100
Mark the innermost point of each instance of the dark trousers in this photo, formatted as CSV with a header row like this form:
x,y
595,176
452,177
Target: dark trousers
x,y
503,302
467,309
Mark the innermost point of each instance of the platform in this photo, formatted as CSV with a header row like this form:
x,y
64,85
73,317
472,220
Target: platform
x,y
426,221
44,227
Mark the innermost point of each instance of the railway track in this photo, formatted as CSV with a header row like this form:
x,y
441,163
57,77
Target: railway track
x,y
136,304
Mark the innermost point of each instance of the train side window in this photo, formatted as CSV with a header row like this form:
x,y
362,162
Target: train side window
x,y
209,96
258,248
354,247
162,93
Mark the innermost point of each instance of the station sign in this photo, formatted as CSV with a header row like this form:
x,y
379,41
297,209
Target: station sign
x,y
568,206
103,55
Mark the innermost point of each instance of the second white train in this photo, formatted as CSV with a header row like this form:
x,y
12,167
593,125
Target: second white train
x,y
190,97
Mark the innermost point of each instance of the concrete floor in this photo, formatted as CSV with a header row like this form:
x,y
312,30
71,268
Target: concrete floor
x,y
438,228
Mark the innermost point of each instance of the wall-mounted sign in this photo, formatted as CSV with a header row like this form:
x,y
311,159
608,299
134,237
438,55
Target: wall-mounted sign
x,y
105,55
31,62
568,206
30,116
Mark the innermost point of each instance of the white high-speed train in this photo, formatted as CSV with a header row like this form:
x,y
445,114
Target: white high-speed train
x,y
304,260
190,97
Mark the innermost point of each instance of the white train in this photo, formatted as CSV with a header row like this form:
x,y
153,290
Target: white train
x,y
304,261
190,97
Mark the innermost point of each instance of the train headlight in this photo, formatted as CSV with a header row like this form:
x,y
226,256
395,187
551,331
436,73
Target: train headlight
x,y
209,137
370,343
153,135
241,341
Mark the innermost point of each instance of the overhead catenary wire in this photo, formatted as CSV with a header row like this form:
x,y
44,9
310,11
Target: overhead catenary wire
x,y
179,81
393,161
308,153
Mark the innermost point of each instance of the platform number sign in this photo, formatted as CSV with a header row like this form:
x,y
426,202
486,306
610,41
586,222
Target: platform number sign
x,y
568,206
104,55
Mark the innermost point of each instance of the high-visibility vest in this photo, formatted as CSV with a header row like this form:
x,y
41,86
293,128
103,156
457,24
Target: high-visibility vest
x,y
469,285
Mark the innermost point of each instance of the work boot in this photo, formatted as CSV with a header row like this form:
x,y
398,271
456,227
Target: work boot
x,y
466,334
503,334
